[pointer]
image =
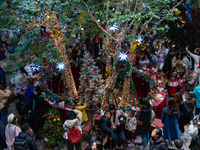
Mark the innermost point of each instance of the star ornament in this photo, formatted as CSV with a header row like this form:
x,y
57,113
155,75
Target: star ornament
x,y
60,66
123,56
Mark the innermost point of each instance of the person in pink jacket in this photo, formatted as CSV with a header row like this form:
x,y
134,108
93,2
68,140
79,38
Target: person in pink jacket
x,y
12,130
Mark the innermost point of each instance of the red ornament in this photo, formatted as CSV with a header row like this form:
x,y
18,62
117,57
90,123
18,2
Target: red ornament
x,y
88,64
138,42
113,50
49,74
165,38
11,7
87,92
98,68
149,41
138,55
90,95
48,33
93,14
88,74
95,69
81,92
101,77
46,62
2,49
49,127
50,37
186,12
88,81
52,116
98,85
43,20
44,69
53,65
84,88
7,36
121,70
91,63
93,90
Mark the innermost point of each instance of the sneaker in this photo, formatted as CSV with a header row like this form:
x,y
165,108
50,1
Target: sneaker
x,y
131,145
141,147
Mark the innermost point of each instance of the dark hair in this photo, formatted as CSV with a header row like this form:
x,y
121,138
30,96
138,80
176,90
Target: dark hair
x,y
173,74
23,70
172,107
97,130
158,132
106,112
71,115
191,67
159,70
99,145
132,111
76,101
178,143
178,98
143,101
38,90
191,93
179,53
112,106
25,127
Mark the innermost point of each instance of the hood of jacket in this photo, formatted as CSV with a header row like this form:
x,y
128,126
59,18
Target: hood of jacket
x,y
160,140
197,91
23,135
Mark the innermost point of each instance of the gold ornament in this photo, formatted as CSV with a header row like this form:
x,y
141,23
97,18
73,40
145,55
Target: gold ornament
x,y
58,119
103,85
54,120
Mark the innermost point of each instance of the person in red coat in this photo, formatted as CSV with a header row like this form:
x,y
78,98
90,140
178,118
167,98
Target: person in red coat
x,y
172,85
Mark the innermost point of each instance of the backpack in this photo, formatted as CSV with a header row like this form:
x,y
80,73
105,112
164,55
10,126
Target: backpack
x,y
74,135
187,115
20,144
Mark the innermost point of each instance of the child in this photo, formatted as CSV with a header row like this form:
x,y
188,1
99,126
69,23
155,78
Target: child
x,y
131,123
159,77
178,144
172,85
78,106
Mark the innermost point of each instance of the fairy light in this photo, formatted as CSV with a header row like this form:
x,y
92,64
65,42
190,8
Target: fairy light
x,y
123,56
60,66
139,39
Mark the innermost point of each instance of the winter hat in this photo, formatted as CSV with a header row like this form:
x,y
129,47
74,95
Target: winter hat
x,y
71,115
10,118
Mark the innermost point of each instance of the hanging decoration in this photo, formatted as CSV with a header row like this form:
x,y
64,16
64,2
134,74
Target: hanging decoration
x,y
122,67
80,18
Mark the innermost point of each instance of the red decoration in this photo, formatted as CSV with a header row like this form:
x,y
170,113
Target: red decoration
x,y
93,90
98,85
88,64
138,42
11,7
93,14
121,70
2,49
84,87
138,55
81,92
91,63
48,33
88,74
90,95
49,74
43,20
49,127
87,92
44,69
98,68
88,81
165,38
186,12
149,41
46,62
95,69
52,116
7,36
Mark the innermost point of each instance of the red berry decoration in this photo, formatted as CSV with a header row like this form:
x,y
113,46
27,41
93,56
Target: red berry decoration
x,y
49,127
91,63
43,20
50,37
52,116
93,14
88,74
98,85
48,33
95,69
186,12
88,81
49,74
98,68
165,38
93,90
11,7
81,92
90,95
7,36
84,88
87,92
149,41
88,64
138,42
121,70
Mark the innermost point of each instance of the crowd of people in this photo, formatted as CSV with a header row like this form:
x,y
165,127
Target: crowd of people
x,y
117,129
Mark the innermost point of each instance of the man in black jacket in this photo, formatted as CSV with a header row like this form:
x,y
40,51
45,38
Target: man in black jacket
x,y
24,139
2,136
168,62
157,141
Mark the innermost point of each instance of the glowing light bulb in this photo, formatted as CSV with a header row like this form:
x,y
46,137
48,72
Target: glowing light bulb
x,y
123,56
60,66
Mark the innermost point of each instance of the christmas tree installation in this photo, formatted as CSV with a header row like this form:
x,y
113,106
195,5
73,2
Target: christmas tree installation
x,y
92,85
53,129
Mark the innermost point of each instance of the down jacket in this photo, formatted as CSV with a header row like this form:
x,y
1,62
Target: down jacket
x,y
105,126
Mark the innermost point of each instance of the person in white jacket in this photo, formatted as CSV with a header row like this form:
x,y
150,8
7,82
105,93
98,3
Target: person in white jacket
x,y
197,62
73,120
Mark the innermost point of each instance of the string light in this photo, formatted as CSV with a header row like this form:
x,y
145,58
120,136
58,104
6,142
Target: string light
x,y
139,39
123,56
113,28
60,66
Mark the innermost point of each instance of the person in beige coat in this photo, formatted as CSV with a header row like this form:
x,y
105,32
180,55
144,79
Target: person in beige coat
x,y
190,79
4,95
178,64
73,120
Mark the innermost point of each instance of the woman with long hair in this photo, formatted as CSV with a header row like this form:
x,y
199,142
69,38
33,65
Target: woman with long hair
x,y
170,117
178,64
12,130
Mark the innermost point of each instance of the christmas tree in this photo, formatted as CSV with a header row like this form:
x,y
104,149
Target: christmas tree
x,y
53,129
91,81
